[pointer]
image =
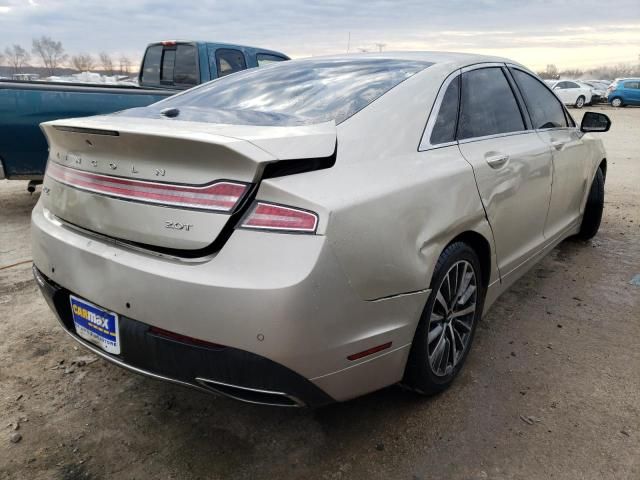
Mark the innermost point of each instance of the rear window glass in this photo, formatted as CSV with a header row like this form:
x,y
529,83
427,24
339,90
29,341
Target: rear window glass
x,y
294,93
170,65
186,68
168,62
151,67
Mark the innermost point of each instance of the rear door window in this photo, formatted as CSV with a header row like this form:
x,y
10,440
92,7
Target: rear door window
x,y
229,60
487,106
444,130
151,66
634,85
267,59
544,107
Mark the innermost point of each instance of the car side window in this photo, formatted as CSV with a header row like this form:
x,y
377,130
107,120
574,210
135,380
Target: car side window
x,y
444,129
572,85
487,105
634,85
544,107
265,59
229,60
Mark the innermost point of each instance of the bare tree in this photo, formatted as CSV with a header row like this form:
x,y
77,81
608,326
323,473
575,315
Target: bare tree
x,y
125,65
82,62
572,73
50,52
551,73
17,57
106,62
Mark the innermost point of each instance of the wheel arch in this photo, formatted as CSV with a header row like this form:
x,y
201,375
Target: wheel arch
x,y
603,166
482,247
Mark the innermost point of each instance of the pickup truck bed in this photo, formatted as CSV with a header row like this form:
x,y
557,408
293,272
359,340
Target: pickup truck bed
x,y
39,102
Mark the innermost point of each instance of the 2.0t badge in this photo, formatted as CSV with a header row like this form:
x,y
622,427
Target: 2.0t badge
x,y
178,226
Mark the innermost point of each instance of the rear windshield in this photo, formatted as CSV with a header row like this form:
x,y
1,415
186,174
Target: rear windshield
x,y
292,93
170,65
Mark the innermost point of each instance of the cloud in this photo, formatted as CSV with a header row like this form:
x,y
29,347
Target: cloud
x,y
322,27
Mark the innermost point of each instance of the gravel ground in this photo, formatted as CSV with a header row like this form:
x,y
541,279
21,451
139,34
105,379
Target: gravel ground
x,y
551,388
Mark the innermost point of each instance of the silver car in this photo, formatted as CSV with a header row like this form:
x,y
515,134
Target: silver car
x,y
315,230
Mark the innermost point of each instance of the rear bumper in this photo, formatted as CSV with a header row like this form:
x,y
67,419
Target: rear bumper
x,y
281,305
229,371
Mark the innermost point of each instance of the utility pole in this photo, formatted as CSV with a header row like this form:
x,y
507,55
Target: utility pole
x,y
349,42
380,46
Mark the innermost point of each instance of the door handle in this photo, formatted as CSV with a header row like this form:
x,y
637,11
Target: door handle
x,y
497,160
557,144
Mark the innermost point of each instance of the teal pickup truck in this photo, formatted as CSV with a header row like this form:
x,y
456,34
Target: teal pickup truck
x,y
167,67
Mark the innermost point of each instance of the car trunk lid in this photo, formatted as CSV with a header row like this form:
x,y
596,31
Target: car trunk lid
x,y
165,183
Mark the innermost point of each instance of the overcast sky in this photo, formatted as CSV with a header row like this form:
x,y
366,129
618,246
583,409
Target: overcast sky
x,y
569,33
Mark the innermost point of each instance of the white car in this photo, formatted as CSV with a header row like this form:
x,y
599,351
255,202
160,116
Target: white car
x,y
571,93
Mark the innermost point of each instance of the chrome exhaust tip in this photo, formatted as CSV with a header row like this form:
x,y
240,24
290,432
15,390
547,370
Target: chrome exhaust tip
x,y
255,396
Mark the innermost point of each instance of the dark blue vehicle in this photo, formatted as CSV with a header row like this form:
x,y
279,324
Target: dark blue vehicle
x,y
623,92
167,67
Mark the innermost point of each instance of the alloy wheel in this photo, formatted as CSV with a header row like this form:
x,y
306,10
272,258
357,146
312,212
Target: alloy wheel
x,y
452,317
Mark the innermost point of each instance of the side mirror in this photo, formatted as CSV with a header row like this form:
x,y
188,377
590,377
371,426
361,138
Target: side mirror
x,y
595,122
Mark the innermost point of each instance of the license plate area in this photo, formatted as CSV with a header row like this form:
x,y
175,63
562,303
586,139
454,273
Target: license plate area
x,y
96,325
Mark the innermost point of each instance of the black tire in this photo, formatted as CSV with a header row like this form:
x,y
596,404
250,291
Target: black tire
x,y
580,101
593,210
617,101
419,374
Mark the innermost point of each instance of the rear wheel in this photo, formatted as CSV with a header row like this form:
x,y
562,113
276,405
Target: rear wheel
x,y
616,102
447,325
593,210
580,102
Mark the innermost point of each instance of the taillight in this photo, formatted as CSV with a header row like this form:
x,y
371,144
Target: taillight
x,y
220,196
271,216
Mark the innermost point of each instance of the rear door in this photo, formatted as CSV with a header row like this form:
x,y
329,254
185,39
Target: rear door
x,y
570,169
632,92
511,163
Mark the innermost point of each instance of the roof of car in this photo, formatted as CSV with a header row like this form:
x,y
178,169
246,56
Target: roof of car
x,y
453,59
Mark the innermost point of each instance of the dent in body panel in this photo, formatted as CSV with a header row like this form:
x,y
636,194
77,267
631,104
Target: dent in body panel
x,y
406,210
516,195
